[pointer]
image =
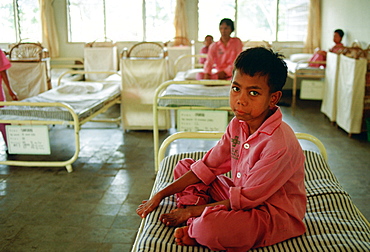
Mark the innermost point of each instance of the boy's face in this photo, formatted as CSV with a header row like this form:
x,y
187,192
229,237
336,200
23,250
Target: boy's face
x,y
251,100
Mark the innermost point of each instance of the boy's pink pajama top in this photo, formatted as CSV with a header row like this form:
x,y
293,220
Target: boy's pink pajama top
x,y
267,170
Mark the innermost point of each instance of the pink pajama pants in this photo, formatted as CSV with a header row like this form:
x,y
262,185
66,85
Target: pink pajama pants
x,y
218,228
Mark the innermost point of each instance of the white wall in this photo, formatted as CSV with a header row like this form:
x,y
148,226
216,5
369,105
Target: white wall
x,y
352,16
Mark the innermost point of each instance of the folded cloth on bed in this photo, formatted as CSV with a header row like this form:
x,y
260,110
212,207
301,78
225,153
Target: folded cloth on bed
x,y
79,91
80,88
333,222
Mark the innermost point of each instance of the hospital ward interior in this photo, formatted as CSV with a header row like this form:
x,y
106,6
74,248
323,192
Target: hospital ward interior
x,y
102,99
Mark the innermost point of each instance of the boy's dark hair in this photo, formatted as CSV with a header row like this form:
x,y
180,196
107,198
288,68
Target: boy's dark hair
x,y
228,22
340,32
264,62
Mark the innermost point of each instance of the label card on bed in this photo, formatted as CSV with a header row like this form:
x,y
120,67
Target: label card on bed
x,y
28,139
201,120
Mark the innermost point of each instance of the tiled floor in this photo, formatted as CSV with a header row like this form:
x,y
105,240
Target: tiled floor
x,y
93,208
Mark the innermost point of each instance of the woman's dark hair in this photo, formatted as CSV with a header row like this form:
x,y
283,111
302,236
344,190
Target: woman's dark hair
x,y
340,32
228,22
264,62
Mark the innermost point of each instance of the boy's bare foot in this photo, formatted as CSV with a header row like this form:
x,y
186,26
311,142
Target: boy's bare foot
x,y
182,237
176,217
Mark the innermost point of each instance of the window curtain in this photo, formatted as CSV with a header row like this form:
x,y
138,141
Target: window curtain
x,y
313,39
49,34
181,23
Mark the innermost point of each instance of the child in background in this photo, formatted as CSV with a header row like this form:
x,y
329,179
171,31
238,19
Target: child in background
x,y
264,202
208,40
321,55
5,65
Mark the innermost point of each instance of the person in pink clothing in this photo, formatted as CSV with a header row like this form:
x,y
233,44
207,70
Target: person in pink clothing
x,y
5,65
264,201
222,53
208,40
320,55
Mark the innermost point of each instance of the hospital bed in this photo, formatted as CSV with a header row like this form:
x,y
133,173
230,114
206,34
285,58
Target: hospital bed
x,y
144,67
298,68
333,222
176,47
71,104
347,94
60,66
197,95
186,66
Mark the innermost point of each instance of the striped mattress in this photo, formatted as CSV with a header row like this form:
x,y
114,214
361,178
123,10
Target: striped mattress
x,y
333,222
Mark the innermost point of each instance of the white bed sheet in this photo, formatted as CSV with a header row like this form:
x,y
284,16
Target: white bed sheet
x,y
329,100
294,66
198,95
57,72
351,93
83,104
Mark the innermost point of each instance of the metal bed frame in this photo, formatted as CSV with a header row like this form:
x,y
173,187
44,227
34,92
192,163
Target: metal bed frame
x,y
76,123
158,96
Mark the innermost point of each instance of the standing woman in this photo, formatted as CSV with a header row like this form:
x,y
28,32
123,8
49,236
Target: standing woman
x,y
221,55
5,65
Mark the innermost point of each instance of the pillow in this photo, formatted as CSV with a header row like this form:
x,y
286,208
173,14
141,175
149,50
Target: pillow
x,y
192,73
80,88
300,56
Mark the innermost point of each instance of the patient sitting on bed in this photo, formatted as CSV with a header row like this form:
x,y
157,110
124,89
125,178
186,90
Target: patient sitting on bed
x,y
321,55
208,40
222,54
264,202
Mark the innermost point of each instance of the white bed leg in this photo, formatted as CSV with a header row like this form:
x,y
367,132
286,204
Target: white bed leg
x,y
69,168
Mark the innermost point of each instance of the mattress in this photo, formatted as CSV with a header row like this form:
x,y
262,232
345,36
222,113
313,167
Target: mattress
x,y
303,68
84,102
333,222
177,95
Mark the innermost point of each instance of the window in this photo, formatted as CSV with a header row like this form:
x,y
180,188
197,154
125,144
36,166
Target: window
x,y
210,15
293,20
120,20
270,20
20,20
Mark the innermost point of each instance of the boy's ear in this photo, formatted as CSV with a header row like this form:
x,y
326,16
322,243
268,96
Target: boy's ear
x,y
275,98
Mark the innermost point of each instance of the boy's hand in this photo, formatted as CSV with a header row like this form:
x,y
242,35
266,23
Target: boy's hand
x,y
148,206
222,75
13,95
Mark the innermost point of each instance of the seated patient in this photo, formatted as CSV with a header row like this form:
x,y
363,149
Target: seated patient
x,y
321,55
208,40
264,202
222,53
